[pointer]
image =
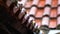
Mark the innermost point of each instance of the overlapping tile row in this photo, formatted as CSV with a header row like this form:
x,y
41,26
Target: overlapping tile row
x,y
50,8
45,12
42,3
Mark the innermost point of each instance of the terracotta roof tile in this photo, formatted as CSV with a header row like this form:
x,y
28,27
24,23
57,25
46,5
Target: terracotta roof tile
x,y
33,11
48,2
41,9
39,13
53,23
35,2
53,13
47,11
58,2
39,21
41,3
54,3
58,20
45,21
58,10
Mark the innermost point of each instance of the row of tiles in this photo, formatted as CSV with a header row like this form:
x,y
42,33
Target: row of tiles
x,y
39,13
51,23
54,12
42,3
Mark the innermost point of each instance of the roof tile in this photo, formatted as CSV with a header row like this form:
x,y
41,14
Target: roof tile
x,y
35,2
45,21
53,13
47,11
58,2
33,10
39,13
39,21
58,10
52,23
58,20
41,3
48,2
54,3
41,9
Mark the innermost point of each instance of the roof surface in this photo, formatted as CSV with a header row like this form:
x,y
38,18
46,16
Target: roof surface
x,y
46,12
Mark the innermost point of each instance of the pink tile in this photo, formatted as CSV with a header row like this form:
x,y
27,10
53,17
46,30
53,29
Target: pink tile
x,y
58,10
38,21
54,3
47,11
53,13
39,13
58,20
53,23
35,2
41,3
45,21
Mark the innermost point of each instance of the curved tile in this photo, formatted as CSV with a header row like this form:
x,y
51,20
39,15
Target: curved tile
x,y
41,3
53,23
54,3
38,21
58,20
58,10
39,13
53,13
35,2
48,2
33,11
58,2
45,21
47,11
